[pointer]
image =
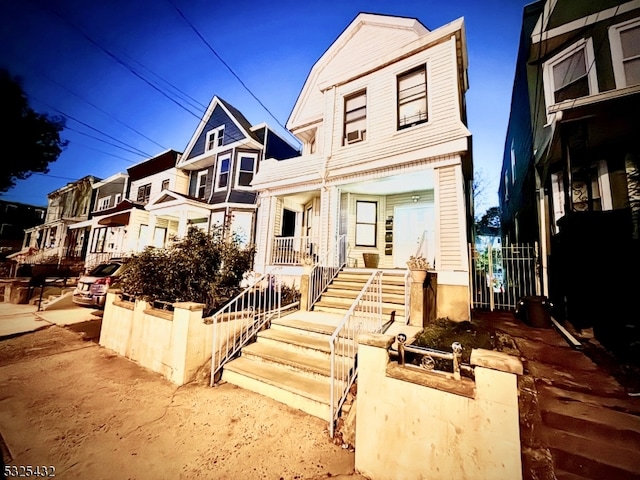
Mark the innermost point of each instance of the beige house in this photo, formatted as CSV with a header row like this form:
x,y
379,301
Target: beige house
x,y
386,158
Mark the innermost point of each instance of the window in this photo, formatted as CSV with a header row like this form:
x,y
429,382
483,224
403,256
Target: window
x,y
144,192
513,161
103,203
223,172
215,138
246,170
98,240
571,74
355,118
201,184
506,186
625,53
412,98
117,199
165,184
366,222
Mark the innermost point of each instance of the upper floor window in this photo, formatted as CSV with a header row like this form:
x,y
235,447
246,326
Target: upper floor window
x,y
355,117
412,97
246,170
103,203
215,138
571,74
144,192
224,165
625,53
201,185
513,161
366,223
165,184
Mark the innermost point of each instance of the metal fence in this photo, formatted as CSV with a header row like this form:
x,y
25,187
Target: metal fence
x,y
501,276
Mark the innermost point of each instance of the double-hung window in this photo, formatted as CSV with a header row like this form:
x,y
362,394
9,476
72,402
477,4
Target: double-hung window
x,y
355,117
165,184
215,138
144,192
571,74
366,223
201,184
224,165
246,169
412,97
625,53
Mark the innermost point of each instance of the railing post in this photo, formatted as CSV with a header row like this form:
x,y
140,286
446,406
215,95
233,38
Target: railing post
x,y
490,278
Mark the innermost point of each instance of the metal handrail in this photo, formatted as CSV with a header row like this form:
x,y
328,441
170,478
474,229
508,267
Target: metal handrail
x,y
428,355
323,272
364,315
238,322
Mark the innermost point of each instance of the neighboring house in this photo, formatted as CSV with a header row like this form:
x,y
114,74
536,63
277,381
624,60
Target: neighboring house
x,y
122,223
220,161
64,234
570,177
15,217
386,157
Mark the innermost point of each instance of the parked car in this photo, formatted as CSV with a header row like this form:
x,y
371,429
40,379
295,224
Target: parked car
x,y
92,288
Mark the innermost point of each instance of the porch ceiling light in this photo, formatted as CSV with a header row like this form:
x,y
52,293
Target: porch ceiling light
x,y
415,198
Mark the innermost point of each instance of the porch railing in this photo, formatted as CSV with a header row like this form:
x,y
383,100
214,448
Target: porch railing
x,y
365,315
326,269
96,258
238,322
293,250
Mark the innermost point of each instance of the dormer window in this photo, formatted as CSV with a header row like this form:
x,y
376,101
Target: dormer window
x,y
412,97
215,138
355,118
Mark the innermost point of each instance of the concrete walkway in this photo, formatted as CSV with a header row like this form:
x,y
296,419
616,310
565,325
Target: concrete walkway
x,y
577,421
20,319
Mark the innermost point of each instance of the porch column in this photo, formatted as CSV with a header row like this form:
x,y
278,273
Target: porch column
x,y
182,223
328,217
151,233
264,230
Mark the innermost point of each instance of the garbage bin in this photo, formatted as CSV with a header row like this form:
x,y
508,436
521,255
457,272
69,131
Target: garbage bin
x,y
534,311
371,260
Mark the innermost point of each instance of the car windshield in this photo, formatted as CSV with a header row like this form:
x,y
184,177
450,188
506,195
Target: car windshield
x,y
104,270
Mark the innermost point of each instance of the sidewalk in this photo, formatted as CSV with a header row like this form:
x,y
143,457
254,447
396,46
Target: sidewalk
x,y
20,319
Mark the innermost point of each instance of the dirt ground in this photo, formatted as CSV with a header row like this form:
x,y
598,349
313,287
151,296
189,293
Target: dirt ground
x,y
66,402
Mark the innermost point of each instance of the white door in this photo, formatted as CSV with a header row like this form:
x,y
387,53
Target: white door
x,y
410,224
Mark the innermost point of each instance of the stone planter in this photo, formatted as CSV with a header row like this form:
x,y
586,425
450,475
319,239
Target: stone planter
x,y
418,275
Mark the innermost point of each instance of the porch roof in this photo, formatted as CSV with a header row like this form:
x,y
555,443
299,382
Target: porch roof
x,y
298,170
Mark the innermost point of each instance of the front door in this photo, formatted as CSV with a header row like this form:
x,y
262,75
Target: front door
x,y
410,224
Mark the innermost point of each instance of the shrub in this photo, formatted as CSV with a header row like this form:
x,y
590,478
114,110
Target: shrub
x,y
201,267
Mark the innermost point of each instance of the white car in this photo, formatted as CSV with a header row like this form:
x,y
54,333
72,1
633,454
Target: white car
x,y
92,288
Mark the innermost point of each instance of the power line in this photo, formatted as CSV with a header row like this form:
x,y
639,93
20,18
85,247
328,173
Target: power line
x,y
108,143
195,30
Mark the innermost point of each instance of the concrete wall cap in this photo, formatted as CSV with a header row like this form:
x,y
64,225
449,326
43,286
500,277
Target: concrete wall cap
x,y
376,340
496,361
114,290
191,306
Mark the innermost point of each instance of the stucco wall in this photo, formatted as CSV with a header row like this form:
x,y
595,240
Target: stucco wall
x,y
174,344
411,424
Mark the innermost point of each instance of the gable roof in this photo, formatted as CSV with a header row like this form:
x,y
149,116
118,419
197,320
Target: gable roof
x,y
380,35
239,120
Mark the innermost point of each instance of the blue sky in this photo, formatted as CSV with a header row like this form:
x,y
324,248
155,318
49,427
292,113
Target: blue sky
x,y
78,59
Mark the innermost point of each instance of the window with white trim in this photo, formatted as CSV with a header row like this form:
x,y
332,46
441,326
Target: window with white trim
x,y
144,192
412,97
165,184
571,74
215,138
625,53
366,223
355,118
222,179
246,169
201,184
103,203
117,199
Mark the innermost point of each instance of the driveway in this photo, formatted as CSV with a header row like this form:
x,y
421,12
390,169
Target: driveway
x,y
72,405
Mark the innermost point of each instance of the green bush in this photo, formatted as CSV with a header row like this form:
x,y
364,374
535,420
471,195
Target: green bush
x,y
201,267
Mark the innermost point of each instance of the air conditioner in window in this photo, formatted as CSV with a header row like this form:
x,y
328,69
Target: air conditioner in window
x,y
354,136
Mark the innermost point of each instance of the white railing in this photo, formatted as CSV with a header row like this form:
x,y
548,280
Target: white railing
x,y
293,250
365,315
323,272
238,322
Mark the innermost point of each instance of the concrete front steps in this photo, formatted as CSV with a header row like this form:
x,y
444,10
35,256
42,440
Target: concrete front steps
x,y
344,289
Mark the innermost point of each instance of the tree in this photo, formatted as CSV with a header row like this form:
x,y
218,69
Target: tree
x,y
30,140
489,223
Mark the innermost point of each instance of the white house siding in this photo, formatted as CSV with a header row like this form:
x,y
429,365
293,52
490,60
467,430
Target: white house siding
x,y
450,219
178,182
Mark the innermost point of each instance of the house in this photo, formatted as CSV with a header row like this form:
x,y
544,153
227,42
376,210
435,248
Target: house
x,y
220,162
121,223
386,158
64,234
15,217
570,176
